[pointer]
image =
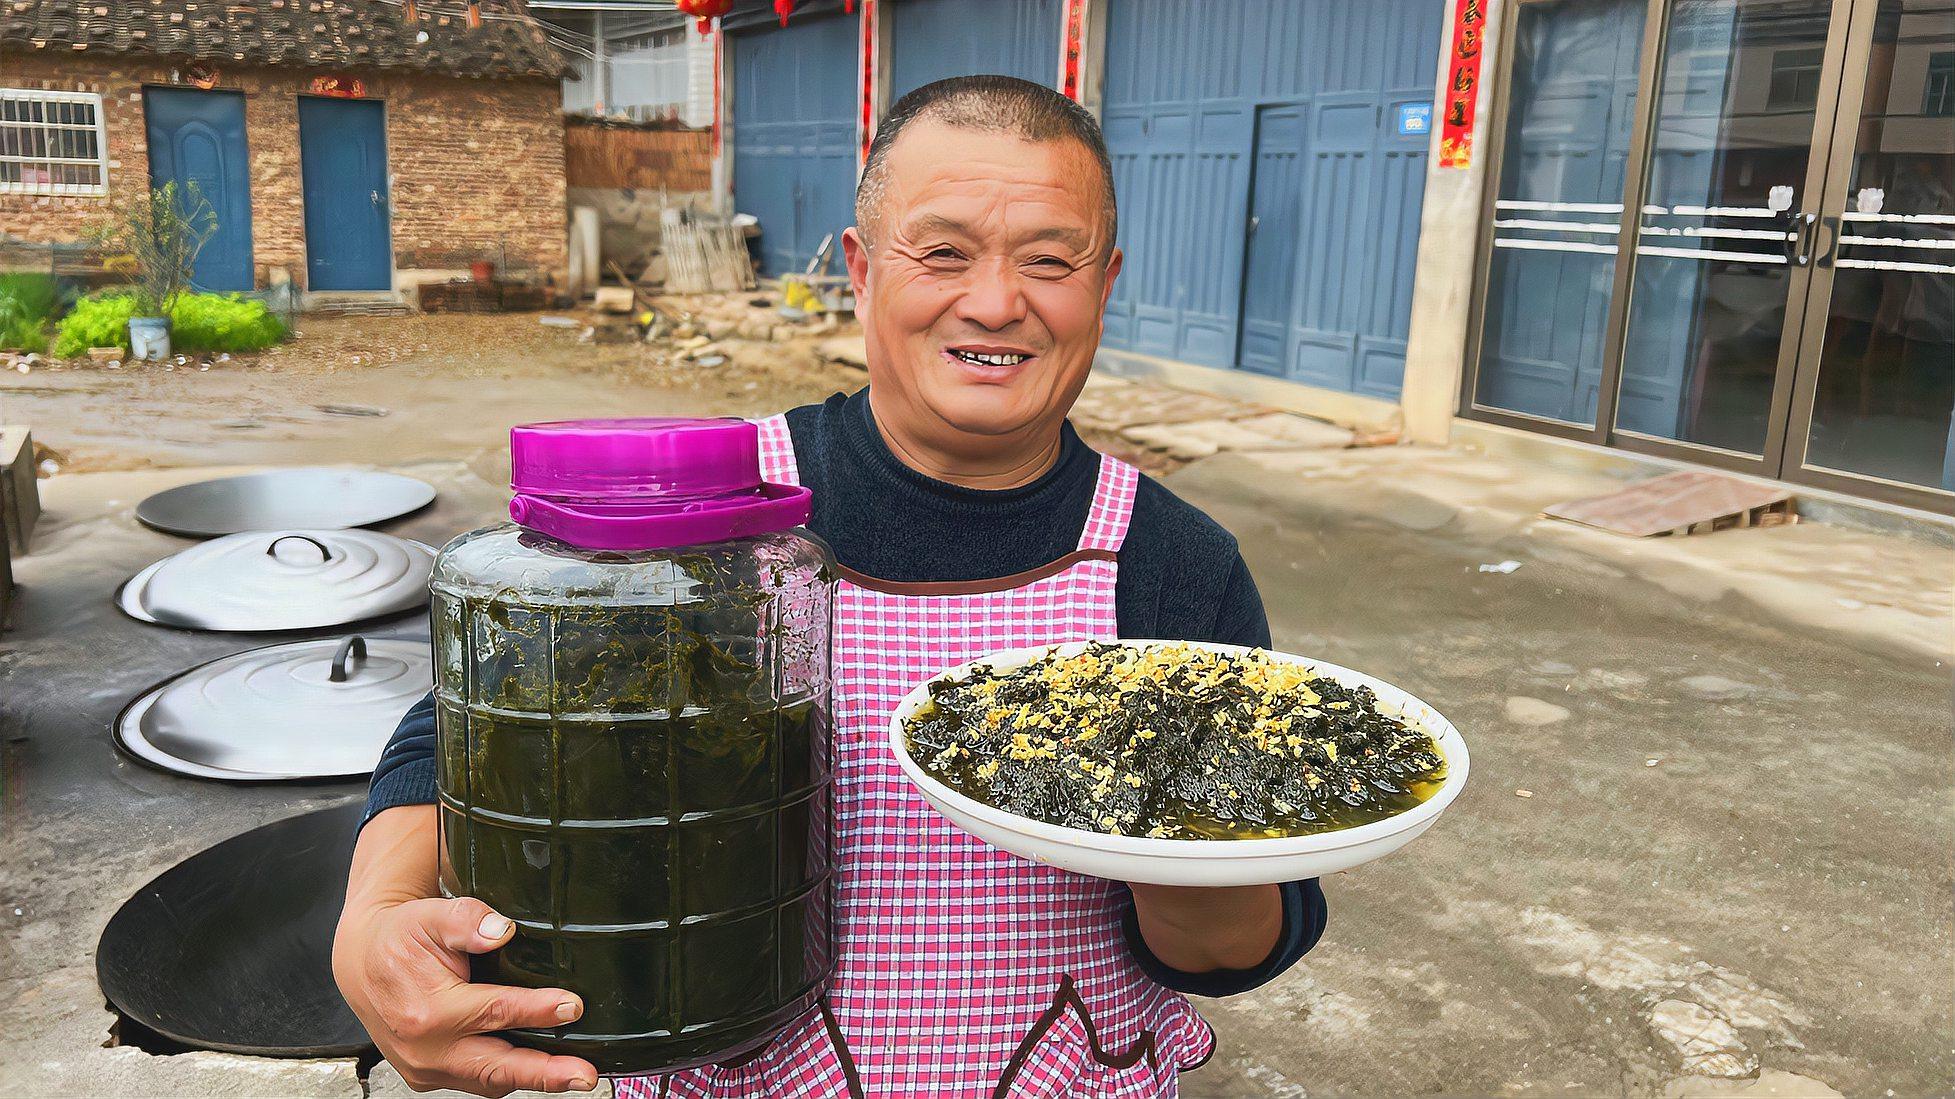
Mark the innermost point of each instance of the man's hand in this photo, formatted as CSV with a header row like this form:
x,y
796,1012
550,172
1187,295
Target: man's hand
x,y
401,961
1196,930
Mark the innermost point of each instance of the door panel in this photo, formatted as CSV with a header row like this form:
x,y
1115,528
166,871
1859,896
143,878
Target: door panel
x,y
1184,84
1558,208
794,134
1718,243
196,139
1275,209
1884,392
343,162
934,39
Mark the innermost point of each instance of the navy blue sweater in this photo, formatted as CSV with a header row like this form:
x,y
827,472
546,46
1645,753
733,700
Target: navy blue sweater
x,y
1180,576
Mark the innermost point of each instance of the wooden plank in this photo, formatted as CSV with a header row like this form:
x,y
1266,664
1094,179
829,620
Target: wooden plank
x,y
1678,503
619,156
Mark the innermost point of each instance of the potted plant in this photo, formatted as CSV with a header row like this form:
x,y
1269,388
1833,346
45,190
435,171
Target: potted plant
x,y
163,230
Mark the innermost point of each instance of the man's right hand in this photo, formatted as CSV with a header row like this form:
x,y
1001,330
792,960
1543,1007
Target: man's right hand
x,y
401,961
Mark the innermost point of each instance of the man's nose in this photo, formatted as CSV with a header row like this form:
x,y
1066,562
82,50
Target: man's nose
x,y
994,296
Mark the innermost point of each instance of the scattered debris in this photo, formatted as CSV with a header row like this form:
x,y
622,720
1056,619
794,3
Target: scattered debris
x,y
350,410
1523,793
1523,710
104,354
847,350
1708,1042
1687,502
549,320
1503,568
614,299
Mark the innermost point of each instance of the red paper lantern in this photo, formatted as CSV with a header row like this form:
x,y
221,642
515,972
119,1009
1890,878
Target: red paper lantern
x,y
784,8
705,11
474,14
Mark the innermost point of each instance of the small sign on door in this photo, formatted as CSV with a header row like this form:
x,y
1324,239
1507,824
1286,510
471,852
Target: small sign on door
x,y
1414,118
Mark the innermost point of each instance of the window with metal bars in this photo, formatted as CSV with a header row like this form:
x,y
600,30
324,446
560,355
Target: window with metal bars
x,y
52,143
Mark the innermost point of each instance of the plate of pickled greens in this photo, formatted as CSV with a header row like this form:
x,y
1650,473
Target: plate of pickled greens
x,y
1178,762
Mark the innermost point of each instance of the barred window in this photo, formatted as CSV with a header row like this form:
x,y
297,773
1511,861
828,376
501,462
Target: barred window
x,y
51,143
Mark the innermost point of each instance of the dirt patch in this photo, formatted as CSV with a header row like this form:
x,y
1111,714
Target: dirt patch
x,y
392,389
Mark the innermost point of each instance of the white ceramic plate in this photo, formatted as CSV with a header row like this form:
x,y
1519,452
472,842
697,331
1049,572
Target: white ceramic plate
x,y
1192,862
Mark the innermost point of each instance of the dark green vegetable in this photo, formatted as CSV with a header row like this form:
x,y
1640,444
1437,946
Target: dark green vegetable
x,y
643,787
1174,742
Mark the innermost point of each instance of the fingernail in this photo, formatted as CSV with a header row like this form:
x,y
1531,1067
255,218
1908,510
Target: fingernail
x,y
578,1083
494,926
568,1010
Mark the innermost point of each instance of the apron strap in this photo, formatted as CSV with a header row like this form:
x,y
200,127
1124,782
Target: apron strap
x,y
1113,506
777,452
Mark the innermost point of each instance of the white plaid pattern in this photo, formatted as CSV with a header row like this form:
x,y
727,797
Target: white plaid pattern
x,y
949,949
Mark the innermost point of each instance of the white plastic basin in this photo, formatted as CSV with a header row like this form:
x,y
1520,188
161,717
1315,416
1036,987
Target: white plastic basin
x,y
1192,862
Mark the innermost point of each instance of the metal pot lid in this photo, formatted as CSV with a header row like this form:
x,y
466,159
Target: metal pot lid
x,y
321,498
303,710
282,580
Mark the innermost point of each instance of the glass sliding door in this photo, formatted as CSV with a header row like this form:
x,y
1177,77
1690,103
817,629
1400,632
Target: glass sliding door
x,y
1721,238
1558,210
1882,386
1724,231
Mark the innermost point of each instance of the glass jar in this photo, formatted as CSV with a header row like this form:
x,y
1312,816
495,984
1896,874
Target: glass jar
x,y
632,686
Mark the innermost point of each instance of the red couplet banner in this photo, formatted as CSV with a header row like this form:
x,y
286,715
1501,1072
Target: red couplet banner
x,y
1462,89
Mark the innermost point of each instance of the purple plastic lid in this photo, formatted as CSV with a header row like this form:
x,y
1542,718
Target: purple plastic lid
x,y
646,483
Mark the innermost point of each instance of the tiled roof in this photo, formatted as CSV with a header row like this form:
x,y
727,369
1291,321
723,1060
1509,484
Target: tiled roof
x,y
345,34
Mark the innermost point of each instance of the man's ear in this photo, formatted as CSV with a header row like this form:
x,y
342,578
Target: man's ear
x,y
1112,272
856,255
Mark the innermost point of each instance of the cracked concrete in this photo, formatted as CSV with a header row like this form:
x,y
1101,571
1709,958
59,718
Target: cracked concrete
x,y
1781,868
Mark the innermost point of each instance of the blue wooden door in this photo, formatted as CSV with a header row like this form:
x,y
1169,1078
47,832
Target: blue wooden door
x,y
343,162
794,133
934,39
196,138
1275,211
1184,83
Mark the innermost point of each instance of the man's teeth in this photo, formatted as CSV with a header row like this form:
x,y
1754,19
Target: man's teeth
x,y
990,360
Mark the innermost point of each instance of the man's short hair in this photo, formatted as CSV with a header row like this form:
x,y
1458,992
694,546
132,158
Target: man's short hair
x,y
994,104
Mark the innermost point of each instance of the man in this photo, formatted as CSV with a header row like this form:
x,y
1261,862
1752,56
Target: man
x,y
960,503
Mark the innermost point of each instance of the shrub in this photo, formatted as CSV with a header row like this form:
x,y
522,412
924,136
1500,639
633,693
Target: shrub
x,y
95,322
27,303
200,322
223,322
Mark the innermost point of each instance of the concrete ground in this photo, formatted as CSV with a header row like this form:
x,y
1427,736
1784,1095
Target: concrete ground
x,y
1704,849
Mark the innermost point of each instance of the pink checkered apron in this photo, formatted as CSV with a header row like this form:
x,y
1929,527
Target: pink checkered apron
x,y
962,971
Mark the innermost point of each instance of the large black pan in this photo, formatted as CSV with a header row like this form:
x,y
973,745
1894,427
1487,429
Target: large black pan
x,y
231,949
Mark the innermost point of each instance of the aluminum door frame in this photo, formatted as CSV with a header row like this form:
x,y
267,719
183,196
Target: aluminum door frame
x,y
1821,167
1818,304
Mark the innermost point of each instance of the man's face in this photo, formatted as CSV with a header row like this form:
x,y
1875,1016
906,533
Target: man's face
x,y
984,278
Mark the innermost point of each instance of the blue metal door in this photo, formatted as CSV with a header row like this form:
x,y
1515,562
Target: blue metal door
x,y
1275,211
934,39
794,132
196,138
1184,83
343,162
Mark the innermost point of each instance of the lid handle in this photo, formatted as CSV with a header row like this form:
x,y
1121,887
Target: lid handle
x,y
355,646
325,554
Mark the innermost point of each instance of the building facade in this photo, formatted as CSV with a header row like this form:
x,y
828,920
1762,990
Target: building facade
x,y
347,146
1716,231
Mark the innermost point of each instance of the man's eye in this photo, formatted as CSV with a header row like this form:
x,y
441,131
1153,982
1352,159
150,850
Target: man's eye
x,y
1051,265
942,254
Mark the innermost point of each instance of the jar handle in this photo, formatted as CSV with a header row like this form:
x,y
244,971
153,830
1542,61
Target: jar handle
x,y
355,646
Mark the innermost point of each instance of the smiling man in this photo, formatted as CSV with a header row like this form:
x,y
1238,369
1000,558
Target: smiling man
x,y
967,516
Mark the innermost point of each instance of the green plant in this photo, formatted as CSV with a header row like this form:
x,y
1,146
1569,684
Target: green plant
x,y
95,322
164,229
223,322
200,322
27,303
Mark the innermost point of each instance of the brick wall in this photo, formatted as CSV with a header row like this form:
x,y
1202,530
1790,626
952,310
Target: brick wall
x,y
476,165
